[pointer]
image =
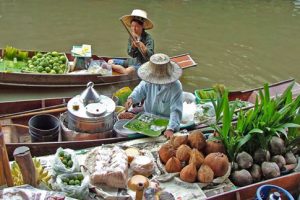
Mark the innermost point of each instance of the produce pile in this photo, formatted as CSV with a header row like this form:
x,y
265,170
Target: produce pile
x,y
15,60
194,157
51,63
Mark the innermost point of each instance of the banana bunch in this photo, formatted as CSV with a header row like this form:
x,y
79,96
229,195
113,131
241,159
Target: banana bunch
x,y
43,175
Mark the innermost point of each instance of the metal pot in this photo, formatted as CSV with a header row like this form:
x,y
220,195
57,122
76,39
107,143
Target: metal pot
x,y
90,112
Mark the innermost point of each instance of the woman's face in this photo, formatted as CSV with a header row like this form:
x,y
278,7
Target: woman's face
x,y
136,28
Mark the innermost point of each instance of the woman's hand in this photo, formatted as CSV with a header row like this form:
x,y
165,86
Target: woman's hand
x,y
128,103
169,133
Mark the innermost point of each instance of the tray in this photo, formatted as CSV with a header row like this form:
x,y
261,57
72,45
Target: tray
x,y
147,124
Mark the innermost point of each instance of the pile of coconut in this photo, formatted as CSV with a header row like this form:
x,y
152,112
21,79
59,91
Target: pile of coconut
x,y
264,164
194,157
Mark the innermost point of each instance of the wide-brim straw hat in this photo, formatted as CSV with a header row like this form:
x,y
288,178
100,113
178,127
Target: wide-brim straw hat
x,y
160,70
140,15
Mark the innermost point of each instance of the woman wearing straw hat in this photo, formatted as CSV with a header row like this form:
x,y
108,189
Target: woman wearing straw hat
x,y
141,47
161,90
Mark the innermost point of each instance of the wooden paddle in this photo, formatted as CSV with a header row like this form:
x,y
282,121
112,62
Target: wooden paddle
x,y
36,113
133,39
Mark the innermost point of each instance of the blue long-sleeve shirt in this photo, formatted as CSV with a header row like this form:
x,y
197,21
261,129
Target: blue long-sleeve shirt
x,y
162,100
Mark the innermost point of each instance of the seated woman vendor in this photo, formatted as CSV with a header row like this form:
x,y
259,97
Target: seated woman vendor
x,y
161,90
140,49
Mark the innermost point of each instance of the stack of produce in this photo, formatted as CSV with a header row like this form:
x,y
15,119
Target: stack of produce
x,y
51,63
194,157
264,164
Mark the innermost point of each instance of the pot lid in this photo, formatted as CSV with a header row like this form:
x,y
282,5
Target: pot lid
x,y
89,95
95,109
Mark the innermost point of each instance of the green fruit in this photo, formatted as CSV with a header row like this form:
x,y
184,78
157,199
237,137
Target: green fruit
x,y
77,182
71,182
39,55
65,161
60,71
52,71
61,154
40,69
48,69
80,177
70,163
54,53
63,59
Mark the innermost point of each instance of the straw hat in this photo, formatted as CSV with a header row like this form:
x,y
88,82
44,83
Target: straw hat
x,y
160,70
140,15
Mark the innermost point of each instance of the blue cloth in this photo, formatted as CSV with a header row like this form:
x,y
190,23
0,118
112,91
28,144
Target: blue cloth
x,y
119,61
163,100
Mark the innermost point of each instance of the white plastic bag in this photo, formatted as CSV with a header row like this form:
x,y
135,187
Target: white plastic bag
x,y
188,112
100,67
76,191
58,165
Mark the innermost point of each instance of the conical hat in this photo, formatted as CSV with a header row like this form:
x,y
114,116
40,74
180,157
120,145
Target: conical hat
x,y
140,15
160,70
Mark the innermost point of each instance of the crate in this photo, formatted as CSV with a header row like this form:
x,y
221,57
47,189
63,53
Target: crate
x,y
198,98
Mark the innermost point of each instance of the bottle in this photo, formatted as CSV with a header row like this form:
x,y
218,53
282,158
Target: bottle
x,y
275,196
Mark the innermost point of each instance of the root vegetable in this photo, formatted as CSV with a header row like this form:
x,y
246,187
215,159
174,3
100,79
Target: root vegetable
x,y
277,146
261,155
241,178
270,170
290,158
244,160
256,173
279,160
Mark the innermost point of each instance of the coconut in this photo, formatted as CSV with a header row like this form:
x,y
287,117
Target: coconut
x,y
189,173
165,152
261,155
244,160
270,170
277,146
183,153
178,140
213,146
218,162
197,140
173,165
196,157
205,174
241,178
279,160
290,158
256,173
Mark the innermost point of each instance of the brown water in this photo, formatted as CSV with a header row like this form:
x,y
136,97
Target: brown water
x,y
241,44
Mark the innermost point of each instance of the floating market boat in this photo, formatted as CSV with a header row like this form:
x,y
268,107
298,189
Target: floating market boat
x,y
14,117
48,80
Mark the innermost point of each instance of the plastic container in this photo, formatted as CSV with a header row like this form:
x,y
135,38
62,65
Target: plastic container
x,y
263,193
44,128
198,98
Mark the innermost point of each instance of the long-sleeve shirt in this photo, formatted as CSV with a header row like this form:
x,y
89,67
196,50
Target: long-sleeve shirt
x,y
162,100
137,58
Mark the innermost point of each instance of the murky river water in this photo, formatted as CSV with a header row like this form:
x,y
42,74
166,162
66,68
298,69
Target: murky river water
x,y
241,44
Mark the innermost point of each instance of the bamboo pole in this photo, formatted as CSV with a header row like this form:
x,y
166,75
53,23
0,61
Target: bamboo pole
x,y
5,162
37,113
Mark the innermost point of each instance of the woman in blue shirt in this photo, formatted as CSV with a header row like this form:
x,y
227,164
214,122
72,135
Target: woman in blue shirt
x,y
161,90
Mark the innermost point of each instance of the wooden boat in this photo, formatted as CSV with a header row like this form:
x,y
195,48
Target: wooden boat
x,y
288,182
78,80
14,117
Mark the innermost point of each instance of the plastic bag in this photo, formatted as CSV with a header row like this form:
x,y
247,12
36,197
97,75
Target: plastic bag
x,y
60,166
100,67
67,184
122,94
188,112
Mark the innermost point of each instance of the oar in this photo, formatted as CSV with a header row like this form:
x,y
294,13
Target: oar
x,y
37,113
33,110
133,39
